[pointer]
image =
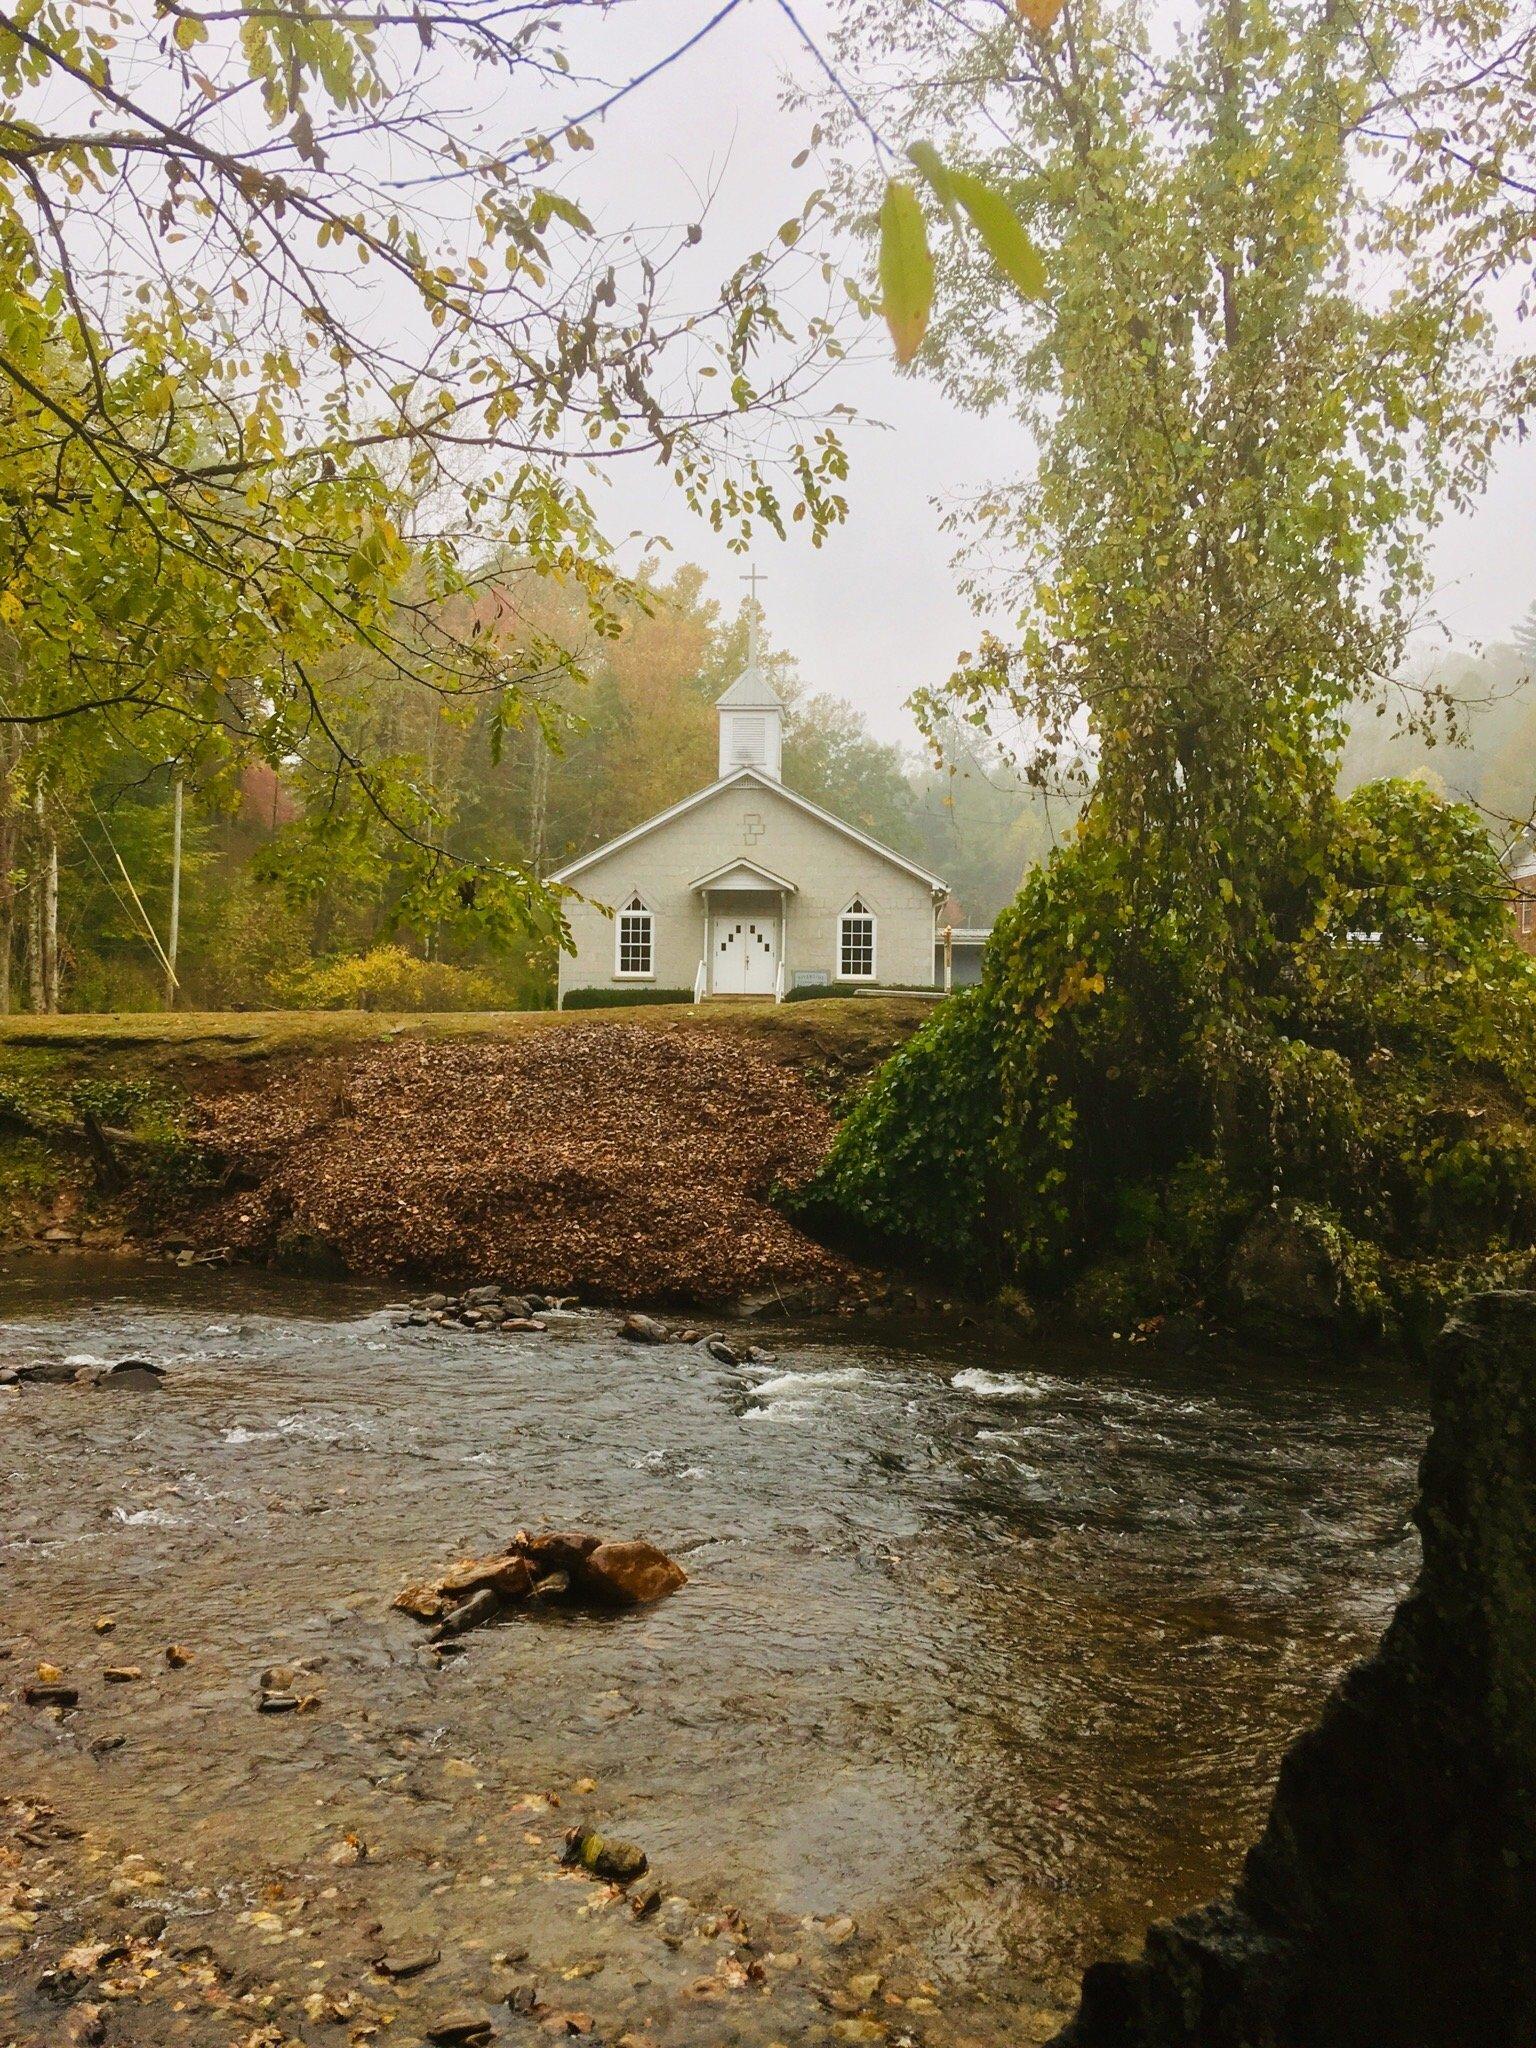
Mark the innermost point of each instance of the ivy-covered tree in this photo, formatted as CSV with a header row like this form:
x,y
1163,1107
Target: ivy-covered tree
x,y
1246,430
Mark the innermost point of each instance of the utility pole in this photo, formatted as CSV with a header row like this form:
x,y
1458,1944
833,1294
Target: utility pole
x,y
174,932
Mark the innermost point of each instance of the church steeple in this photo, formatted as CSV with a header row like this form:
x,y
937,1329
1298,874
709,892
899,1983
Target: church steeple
x,y
751,714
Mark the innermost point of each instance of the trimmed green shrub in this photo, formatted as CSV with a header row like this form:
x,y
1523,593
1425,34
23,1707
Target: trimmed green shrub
x,y
622,998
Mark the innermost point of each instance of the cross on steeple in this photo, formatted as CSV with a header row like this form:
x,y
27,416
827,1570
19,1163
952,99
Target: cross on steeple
x,y
753,577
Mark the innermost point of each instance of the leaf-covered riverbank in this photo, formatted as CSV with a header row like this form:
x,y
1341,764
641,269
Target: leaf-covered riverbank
x,y
632,1159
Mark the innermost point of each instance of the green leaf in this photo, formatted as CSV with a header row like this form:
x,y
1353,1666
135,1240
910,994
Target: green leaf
x,y
906,269
1003,232
189,32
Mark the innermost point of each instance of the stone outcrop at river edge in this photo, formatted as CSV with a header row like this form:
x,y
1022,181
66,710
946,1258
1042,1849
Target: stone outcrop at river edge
x,y
1391,1900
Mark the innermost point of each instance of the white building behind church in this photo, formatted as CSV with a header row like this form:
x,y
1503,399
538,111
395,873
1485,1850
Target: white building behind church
x,y
746,888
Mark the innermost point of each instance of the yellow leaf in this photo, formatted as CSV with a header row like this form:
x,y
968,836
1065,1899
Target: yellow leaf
x,y
1003,232
10,608
1040,14
906,269
189,32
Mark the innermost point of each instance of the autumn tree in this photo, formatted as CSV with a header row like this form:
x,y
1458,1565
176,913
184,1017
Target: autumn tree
x,y
303,306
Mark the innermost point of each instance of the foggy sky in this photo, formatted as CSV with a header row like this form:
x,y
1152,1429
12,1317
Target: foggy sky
x,y
875,612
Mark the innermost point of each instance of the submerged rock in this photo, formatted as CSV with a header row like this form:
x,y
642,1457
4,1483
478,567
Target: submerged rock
x,y
482,1606
605,1855
407,1959
642,1330
131,1372
461,2029
50,1693
1391,1900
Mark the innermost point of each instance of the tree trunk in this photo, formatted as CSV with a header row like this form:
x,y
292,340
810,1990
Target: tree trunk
x,y
36,988
540,804
51,927
7,883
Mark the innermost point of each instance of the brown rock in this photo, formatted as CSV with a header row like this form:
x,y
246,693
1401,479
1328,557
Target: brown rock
x,y
508,1576
461,2029
409,1959
177,1656
122,1674
557,1550
47,1694
425,1603
631,1574
604,1855
642,1330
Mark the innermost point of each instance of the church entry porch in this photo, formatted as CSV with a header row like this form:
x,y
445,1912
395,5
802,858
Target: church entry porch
x,y
745,916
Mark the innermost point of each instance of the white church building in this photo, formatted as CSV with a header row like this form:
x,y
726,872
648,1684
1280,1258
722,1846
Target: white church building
x,y
746,888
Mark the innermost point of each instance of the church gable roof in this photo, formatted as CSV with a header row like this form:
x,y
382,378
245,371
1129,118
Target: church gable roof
x,y
743,874
773,788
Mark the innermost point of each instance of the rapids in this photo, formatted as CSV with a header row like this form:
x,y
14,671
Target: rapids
x,y
989,1646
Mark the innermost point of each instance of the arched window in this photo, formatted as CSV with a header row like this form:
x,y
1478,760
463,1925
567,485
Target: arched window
x,y
856,942
635,938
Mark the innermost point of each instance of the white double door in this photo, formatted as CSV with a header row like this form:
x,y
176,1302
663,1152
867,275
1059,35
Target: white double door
x,y
744,953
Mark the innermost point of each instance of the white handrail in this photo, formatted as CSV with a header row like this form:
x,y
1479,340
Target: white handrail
x,y
778,984
698,983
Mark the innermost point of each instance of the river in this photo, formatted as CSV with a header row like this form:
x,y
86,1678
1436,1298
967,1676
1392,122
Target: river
x,y
988,1655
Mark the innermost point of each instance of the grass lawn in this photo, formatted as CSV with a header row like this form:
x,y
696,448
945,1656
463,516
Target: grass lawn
x,y
857,1033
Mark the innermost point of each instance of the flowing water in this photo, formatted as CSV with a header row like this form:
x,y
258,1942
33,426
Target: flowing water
x,y
989,1649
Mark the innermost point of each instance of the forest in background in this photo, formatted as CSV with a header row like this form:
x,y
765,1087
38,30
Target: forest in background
x,y
289,896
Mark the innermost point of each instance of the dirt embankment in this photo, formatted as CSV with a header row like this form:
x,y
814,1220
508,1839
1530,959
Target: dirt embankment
x,y
629,1158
